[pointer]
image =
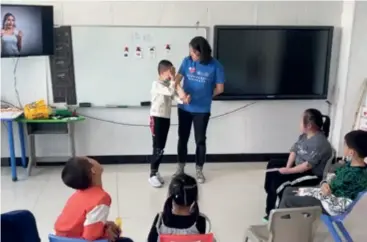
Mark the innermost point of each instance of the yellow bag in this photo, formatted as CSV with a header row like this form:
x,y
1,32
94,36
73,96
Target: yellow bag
x,y
37,110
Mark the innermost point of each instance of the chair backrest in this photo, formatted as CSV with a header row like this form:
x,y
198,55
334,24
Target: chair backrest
x,y
355,219
54,238
360,200
187,238
293,224
329,162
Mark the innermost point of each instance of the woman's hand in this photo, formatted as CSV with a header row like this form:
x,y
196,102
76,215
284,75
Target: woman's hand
x,y
285,170
325,189
187,99
172,72
20,34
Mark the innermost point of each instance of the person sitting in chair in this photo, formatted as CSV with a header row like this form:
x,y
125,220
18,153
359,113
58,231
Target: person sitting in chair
x,y
306,162
339,190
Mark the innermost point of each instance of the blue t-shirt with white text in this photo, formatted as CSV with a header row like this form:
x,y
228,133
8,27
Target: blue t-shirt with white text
x,y
199,81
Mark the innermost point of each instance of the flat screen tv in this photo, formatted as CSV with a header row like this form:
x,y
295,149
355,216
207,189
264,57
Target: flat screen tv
x,y
26,30
274,62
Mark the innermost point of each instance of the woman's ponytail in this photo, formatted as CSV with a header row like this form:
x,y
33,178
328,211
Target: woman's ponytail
x,y
326,125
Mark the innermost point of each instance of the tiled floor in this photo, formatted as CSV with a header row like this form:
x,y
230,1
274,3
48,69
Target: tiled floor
x,y
233,192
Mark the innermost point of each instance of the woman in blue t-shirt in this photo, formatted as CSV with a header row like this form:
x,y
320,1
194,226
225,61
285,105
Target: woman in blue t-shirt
x,y
203,78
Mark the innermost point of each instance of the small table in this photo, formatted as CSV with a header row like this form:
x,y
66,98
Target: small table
x,y
48,126
9,118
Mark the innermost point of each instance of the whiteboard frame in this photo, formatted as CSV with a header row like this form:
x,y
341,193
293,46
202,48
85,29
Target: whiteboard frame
x,y
206,28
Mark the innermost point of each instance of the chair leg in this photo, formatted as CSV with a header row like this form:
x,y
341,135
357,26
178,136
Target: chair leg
x,y
344,231
331,228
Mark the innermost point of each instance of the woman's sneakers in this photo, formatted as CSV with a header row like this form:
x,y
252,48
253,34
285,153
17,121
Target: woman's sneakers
x,y
199,172
180,169
199,175
156,180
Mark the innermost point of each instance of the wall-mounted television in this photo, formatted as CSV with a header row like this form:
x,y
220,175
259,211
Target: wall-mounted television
x,y
274,62
26,30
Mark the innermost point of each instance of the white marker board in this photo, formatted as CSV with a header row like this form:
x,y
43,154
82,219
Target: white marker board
x,y
103,73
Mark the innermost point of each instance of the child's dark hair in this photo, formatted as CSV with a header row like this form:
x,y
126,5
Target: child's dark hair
x,y
77,173
201,45
164,65
357,141
183,191
314,117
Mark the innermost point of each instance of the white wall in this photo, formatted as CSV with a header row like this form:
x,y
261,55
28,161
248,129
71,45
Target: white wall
x,y
357,66
265,127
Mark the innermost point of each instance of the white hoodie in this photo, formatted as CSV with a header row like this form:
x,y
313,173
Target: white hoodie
x,y
162,94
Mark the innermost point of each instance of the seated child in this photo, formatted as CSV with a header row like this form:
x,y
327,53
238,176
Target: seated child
x,y
180,214
339,190
85,213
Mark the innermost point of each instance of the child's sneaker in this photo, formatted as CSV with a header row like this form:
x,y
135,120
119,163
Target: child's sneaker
x,y
155,182
160,178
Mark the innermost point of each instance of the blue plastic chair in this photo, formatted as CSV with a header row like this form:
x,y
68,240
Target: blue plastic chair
x,y
54,238
335,223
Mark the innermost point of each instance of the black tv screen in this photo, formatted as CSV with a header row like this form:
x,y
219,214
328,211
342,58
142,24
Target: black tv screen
x,y
274,62
26,30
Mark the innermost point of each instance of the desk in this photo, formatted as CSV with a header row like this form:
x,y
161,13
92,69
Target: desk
x,y
48,126
9,121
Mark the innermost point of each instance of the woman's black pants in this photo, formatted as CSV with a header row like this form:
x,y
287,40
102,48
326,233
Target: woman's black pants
x,y
200,122
273,180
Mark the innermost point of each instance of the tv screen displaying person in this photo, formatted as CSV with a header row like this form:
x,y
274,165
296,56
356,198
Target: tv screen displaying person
x,y
11,37
26,30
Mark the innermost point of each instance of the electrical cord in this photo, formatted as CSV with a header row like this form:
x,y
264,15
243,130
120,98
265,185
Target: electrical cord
x,y
9,104
146,125
15,82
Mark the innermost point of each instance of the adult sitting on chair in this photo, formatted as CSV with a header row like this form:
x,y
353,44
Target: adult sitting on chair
x,y
306,162
339,190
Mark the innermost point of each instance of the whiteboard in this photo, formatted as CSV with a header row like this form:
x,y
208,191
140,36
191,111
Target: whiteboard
x,y
103,73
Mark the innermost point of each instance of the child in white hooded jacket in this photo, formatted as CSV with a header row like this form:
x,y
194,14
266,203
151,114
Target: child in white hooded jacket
x,y
163,91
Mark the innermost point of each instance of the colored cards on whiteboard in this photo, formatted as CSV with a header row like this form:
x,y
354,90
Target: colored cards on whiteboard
x,y
126,52
152,52
139,52
167,49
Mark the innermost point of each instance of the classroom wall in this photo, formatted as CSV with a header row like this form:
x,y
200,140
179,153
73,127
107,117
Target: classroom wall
x,y
357,68
264,127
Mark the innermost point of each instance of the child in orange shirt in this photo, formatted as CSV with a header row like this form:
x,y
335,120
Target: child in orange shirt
x,y
85,213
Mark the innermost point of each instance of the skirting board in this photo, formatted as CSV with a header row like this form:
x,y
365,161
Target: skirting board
x,y
143,159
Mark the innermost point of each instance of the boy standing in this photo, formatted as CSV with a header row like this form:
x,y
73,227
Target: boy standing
x,y
163,91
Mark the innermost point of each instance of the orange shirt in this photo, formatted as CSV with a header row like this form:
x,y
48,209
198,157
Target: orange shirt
x,y
84,215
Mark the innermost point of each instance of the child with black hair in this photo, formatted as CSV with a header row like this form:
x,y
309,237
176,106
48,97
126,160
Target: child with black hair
x,y
86,211
163,91
339,190
180,214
